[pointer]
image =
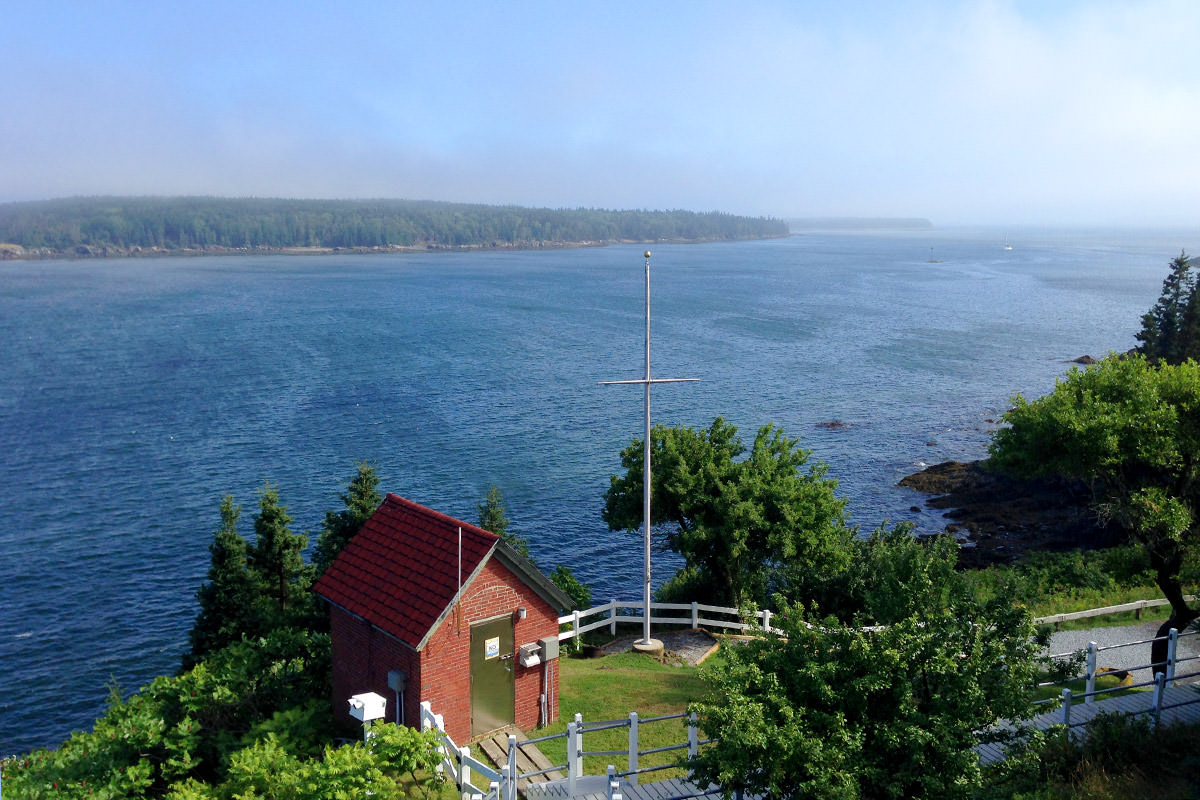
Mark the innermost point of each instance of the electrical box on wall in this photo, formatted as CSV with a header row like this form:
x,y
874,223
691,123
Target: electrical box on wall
x,y
549,648
529,654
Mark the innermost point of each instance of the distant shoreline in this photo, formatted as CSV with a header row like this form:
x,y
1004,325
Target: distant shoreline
x,y
85,252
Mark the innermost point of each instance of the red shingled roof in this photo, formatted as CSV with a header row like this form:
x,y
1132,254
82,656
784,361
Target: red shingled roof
x,y
407,602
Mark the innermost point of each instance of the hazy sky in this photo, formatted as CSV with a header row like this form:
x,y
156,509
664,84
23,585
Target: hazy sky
x,y
963,112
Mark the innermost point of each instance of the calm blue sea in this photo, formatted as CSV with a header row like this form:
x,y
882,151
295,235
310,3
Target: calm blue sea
x,y
136,393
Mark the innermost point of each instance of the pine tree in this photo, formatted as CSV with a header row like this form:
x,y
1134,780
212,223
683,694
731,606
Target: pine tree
x,y
1170,328
227,598
492,518
277,559
361,500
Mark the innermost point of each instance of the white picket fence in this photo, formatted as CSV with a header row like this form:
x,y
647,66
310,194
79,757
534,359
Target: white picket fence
x,y
1137,607
686,615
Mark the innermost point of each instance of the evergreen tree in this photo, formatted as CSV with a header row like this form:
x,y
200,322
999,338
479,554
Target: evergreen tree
x,y
227,598
492,517
1169,330
277,560
361,500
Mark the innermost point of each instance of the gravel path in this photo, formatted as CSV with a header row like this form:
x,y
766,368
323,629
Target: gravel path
x,y
1127,658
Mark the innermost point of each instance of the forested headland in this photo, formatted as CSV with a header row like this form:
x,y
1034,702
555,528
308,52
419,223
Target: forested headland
x,y
120,226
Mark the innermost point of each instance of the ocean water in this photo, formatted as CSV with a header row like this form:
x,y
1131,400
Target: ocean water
x,y
136,393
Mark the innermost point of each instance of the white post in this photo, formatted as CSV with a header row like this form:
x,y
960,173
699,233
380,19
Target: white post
x,y
506,782
575,628
579,743
633,748
512,767
695,614
572,758
426,715
1091,673
612,618
464,771
693,736
612,783
440,724
766,620
1172,643
1066,706
646,481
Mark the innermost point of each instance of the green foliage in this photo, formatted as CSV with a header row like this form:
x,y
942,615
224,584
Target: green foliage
x,y
769,522
580,593
1171,330
1132,430
384,767
361,499
183,727
1117,756
892,576
277,556
493,517
174,223
833,711
228,598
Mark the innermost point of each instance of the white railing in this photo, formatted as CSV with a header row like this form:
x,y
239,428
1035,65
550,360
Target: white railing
x,y
462,767
1165,673
687,615
502,783
1137,607
695,615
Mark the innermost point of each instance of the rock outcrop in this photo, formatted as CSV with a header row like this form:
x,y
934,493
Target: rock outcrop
x,y
999,519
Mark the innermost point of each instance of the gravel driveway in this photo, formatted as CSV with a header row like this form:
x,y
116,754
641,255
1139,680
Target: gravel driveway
x,y
1127,658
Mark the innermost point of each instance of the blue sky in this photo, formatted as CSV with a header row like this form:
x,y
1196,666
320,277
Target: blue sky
x,y
964,112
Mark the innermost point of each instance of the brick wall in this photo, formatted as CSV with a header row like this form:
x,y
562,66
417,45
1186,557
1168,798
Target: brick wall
x,y
446,674
363,655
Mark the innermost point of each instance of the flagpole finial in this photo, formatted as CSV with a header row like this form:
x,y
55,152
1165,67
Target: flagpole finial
x,y
647,254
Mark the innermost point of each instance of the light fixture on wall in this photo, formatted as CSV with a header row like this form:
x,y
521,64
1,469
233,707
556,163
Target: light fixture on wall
x,y
520,613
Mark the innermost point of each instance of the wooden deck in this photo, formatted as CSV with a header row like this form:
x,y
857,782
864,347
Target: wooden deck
x,y
529,758
659,790
1138,703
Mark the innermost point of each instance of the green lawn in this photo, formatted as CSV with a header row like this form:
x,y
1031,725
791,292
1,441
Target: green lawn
x,y
609,688
1079,686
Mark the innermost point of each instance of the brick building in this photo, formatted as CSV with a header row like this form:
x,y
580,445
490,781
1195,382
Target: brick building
x,y
426,607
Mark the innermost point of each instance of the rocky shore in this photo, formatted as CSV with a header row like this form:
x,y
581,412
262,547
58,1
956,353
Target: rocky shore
x,y
1000,519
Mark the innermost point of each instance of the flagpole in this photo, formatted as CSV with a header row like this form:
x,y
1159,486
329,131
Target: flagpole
x,y
646,643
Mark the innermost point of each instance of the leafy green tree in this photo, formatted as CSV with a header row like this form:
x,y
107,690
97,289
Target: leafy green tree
x,y
276,558
1132,430
1170,330
580,593
227,599
361,499
827,710
769,522
181,730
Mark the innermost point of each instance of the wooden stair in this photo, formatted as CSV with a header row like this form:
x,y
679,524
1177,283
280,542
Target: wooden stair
x,y
529,758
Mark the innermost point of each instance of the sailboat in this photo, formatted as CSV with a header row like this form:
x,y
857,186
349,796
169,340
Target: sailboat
x,y
1007,246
